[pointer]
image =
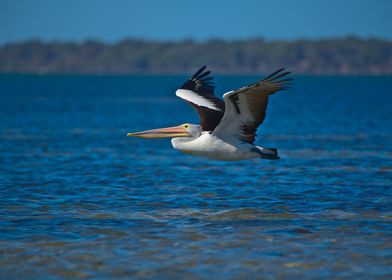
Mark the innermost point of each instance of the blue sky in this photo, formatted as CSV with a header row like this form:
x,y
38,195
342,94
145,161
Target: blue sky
x,y
113,20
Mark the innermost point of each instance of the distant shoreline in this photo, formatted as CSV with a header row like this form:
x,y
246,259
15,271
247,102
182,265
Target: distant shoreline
x,y
186,74
340,56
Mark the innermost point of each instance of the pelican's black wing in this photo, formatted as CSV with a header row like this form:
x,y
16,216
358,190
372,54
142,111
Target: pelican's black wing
x,y
246,107
199,92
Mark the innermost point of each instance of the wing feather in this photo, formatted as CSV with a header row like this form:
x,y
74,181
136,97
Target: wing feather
x,y
198,91
246,107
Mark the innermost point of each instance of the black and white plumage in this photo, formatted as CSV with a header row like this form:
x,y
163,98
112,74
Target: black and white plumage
x,y
246,107
199,92
228,127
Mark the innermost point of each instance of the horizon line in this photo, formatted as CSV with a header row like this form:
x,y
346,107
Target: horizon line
x,y
194,40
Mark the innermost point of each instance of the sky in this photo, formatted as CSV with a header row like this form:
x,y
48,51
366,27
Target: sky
x,y
114,20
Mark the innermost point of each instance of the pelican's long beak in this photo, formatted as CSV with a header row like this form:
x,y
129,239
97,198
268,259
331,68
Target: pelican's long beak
x,y
175,131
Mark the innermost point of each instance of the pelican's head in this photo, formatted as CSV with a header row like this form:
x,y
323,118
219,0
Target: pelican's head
x,y
184,130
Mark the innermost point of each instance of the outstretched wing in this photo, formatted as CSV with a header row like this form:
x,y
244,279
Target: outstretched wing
x,y
199,92
246,107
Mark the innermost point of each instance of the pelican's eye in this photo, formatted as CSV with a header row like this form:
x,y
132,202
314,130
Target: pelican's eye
x,y
186,126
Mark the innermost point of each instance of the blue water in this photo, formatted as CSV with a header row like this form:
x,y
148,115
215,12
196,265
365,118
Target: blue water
x,y
79,199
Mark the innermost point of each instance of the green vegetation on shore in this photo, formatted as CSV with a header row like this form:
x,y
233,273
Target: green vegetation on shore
x,y
349,55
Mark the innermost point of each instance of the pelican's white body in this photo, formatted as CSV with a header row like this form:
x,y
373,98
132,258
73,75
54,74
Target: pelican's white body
x,y
211,146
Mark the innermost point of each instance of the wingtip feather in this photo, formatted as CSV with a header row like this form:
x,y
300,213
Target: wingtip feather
x,y
197,73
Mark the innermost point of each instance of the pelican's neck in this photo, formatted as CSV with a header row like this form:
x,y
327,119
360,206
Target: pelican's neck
x,y
182,143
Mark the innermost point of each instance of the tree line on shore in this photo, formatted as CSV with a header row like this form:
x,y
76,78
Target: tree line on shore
x,y
350,55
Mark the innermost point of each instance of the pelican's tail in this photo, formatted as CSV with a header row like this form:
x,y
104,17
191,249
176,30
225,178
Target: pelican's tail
x,y
268,153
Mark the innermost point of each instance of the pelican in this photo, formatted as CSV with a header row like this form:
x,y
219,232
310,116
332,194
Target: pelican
x,y
227,129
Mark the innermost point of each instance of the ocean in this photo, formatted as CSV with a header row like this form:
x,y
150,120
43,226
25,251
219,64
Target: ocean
x,y
79,199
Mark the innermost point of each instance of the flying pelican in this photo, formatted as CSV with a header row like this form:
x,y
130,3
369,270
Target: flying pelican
x,y
227,129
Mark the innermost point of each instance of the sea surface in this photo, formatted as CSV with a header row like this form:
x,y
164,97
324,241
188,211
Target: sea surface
x,y
79,199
